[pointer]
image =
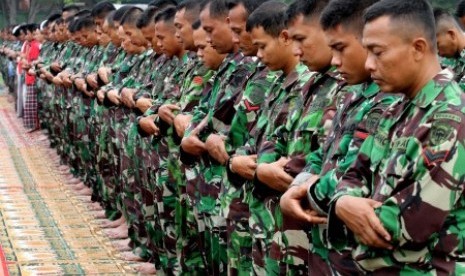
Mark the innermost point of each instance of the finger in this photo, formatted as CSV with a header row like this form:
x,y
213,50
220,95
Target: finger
x,y
375,223
371,238
373,203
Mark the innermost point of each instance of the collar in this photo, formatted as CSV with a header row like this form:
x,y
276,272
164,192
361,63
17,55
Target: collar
x,y
433,88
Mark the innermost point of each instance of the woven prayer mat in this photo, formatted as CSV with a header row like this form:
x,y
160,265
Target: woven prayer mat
x,y
44,228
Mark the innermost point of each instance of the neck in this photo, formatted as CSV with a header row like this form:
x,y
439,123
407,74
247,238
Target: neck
x,y
430,69
290,66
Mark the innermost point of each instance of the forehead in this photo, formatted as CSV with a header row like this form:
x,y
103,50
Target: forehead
x,y
179,16
238,13
380,32
259,35
199,36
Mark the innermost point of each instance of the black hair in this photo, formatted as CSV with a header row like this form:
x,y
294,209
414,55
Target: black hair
x,y
84,23
109,19
309,9
348,13
218,8
192,8
131,16
119,13
71,8
249,5
146,17
460,11
166,15
101,9
444,19
82,13
413,14
271,16
54,17
32,27
196,25
161,4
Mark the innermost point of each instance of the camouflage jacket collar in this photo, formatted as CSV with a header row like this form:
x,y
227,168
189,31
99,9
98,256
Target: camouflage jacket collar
x,y
433,88
294,75
369,89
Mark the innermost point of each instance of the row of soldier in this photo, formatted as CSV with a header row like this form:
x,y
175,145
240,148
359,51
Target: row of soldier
x,y
252,137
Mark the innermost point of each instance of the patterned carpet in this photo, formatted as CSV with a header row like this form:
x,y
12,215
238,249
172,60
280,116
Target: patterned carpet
x,y
44,228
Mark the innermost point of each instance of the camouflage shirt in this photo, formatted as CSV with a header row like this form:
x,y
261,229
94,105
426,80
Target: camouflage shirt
x,y
413,165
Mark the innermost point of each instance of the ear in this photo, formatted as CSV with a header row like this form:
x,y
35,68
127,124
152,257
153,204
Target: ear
x,y
420,48
452,34
285,37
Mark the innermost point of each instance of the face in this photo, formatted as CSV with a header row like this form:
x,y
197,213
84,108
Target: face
x,y
219,34
103,37
89,37
38,35
309,44
237,21
149,33
167,41
391,59
210,57
272,51
99,21
135,35
184,30
447,43
349,56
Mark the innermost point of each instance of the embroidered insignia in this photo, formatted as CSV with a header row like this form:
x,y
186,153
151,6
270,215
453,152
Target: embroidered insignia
x,y
431,158
373,120
440,133
251,107
198,80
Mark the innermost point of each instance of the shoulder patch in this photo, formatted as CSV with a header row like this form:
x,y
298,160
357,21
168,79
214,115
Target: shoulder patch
x,y
440,132
442,116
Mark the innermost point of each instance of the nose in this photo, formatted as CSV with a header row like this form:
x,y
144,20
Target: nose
x,y
260,54
159,44
298,51
336,60
235,38
209,39
200,53
370,64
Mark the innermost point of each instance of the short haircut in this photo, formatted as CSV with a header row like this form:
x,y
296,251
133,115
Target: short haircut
x,y
101,9
249,5
82,13
54,17
119,13
309,9
166,15
131,16
196,25
147,17
32,27
218,9
84,23
445,20
161,4
271,16
109,19
192,8
412,14
71,8
347,13
17,30
460,11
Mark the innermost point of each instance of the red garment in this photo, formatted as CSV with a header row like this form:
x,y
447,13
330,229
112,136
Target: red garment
x,y
19,66
32,54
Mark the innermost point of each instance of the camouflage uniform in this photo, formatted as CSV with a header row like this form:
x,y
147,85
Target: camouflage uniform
x,y
285,98
304,131
411,164
457,65
358,113
247,109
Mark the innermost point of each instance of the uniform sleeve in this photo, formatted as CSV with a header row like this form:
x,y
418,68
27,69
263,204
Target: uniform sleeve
x,y
438,177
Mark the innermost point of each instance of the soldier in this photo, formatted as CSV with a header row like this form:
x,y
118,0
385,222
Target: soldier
x,y
228,82
401,201
451,43
221,146
357,114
